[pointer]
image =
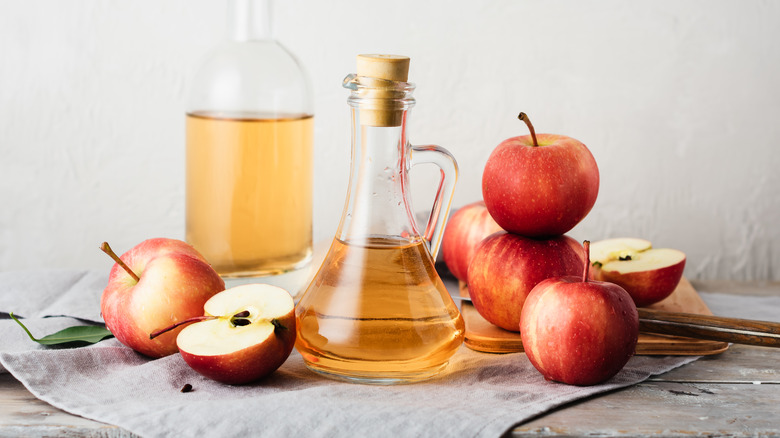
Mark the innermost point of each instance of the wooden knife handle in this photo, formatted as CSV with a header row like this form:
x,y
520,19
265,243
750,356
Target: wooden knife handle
x,y
714,328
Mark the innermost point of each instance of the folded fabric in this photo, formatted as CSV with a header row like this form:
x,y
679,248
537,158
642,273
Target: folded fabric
x,y
478,394
53,293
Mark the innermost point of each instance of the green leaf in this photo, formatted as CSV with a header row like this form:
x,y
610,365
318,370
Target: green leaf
x,y
71,336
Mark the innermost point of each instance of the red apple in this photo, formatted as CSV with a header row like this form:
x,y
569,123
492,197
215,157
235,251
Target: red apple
x,y
540,186
506,267
648,275
157,283
465,230
247,333
577,331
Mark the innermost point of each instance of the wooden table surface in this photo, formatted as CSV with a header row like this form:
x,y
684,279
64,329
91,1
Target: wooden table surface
x,y
734,394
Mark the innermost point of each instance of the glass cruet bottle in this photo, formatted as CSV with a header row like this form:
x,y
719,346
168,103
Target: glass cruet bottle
x,y
377,311
249,152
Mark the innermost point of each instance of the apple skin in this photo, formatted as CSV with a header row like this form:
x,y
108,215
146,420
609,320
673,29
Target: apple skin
x,y
540,191
465,230
506,267
175,282
579,333
250,363
646,287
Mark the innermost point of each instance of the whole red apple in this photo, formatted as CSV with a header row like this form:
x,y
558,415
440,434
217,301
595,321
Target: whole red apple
x,y
465,230
155,284
506,267
540,186
578,331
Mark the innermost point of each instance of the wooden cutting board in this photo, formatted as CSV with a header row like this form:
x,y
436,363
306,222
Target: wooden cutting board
x,y
484,336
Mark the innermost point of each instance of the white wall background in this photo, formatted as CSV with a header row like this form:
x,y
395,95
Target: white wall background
x,y
678,101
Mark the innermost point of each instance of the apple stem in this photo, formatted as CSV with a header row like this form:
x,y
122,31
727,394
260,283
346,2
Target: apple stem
x,y
586,244
157,333
239,319
524,117
107,249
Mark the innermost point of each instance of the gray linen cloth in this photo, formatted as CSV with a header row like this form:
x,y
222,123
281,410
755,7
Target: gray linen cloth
x,y
478,395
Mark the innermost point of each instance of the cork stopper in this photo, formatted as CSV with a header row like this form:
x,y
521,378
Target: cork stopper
x,y
374,70
388,67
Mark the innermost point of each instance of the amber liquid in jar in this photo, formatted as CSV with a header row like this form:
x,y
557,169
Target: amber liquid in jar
x,y
382,314
249,192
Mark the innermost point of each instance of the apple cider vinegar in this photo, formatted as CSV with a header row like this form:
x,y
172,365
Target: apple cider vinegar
x,y
380,314
376,311
249,192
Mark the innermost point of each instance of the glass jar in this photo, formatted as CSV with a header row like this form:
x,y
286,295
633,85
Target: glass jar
x,y
249,152
377,311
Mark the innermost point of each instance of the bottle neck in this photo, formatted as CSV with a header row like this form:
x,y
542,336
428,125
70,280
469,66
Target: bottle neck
x,y
378,205
250,20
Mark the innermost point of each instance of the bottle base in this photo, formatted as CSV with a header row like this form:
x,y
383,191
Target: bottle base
x,y
267,271
293,281
378,378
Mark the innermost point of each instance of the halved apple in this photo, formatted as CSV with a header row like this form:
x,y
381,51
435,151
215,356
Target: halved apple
x,y
247,333
621,248
648,275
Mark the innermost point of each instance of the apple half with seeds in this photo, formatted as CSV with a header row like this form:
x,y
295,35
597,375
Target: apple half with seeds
x,y
649,275
247,333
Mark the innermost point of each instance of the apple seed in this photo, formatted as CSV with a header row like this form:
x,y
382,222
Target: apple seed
x,y
240,322
240,319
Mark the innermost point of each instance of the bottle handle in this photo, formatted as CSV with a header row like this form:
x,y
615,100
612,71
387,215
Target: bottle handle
x,y
443,201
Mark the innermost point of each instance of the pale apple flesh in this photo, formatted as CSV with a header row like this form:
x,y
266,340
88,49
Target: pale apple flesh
x,y
175,282
234,353
620,248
